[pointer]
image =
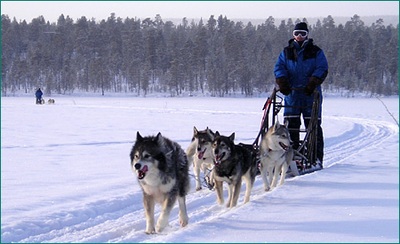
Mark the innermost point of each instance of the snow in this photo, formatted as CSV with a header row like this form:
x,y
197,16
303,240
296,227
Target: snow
x,y
66,177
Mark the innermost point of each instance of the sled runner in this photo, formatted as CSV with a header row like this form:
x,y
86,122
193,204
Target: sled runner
x,y
305,156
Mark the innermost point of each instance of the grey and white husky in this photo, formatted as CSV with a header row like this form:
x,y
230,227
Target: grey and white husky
x,y
199,152
162,171
232,164
276,154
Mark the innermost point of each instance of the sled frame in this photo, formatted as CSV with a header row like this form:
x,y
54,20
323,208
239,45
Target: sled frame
x,y
305,157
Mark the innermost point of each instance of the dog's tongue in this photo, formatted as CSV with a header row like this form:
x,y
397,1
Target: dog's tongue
x,y
142,172
284,147
201,154
217,160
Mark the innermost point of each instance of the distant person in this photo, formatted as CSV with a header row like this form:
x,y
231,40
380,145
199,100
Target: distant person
x,y
38,95
300,69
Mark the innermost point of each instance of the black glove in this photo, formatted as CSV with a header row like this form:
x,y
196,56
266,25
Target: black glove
x,y
313,82
284,86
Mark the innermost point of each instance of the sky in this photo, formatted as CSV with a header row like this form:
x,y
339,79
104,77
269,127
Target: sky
x,y
66,174
51,10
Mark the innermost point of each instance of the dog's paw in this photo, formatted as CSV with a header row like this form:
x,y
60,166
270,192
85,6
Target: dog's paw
x,y
150,231
183,222
159,229
161,224
231,205
198,188
183,218
267,188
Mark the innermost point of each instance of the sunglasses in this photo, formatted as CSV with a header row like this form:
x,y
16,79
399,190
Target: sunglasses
x,y
303,33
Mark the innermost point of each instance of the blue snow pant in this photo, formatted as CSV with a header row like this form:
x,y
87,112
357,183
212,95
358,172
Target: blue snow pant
x,y
298,104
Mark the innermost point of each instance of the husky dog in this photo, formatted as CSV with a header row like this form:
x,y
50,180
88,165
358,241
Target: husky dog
x,y
162,171
40,101
232,163
276,153
199,152
51,101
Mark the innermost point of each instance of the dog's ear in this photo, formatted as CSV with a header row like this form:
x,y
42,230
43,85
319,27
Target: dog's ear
x,y
159,139
286,123
138,137
195,131
232,137
276,125
217,134
210,134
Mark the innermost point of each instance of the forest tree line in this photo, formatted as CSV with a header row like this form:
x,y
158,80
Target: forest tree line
x,y
217,56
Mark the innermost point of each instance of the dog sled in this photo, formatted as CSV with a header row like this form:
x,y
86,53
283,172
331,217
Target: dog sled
x,y
305,156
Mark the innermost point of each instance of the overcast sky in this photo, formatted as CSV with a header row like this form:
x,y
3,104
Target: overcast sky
x,y
51,10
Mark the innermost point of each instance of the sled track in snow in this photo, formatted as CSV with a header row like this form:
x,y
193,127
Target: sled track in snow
x,y
364,135
122,219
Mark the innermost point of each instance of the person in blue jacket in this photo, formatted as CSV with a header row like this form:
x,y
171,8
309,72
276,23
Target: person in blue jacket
x,y
300,69
38,95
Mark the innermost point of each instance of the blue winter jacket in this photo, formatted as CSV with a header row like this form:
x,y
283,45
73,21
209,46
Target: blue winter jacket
x,y
298,64
38,94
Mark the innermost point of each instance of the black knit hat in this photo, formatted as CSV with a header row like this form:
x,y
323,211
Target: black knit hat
x,y
301,26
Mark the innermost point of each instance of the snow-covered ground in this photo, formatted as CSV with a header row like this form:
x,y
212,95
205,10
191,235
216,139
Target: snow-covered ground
x,y
66,177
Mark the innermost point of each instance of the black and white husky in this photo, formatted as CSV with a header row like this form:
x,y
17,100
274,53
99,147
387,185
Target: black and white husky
x,y
232,164
162,171
276,154
199,152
